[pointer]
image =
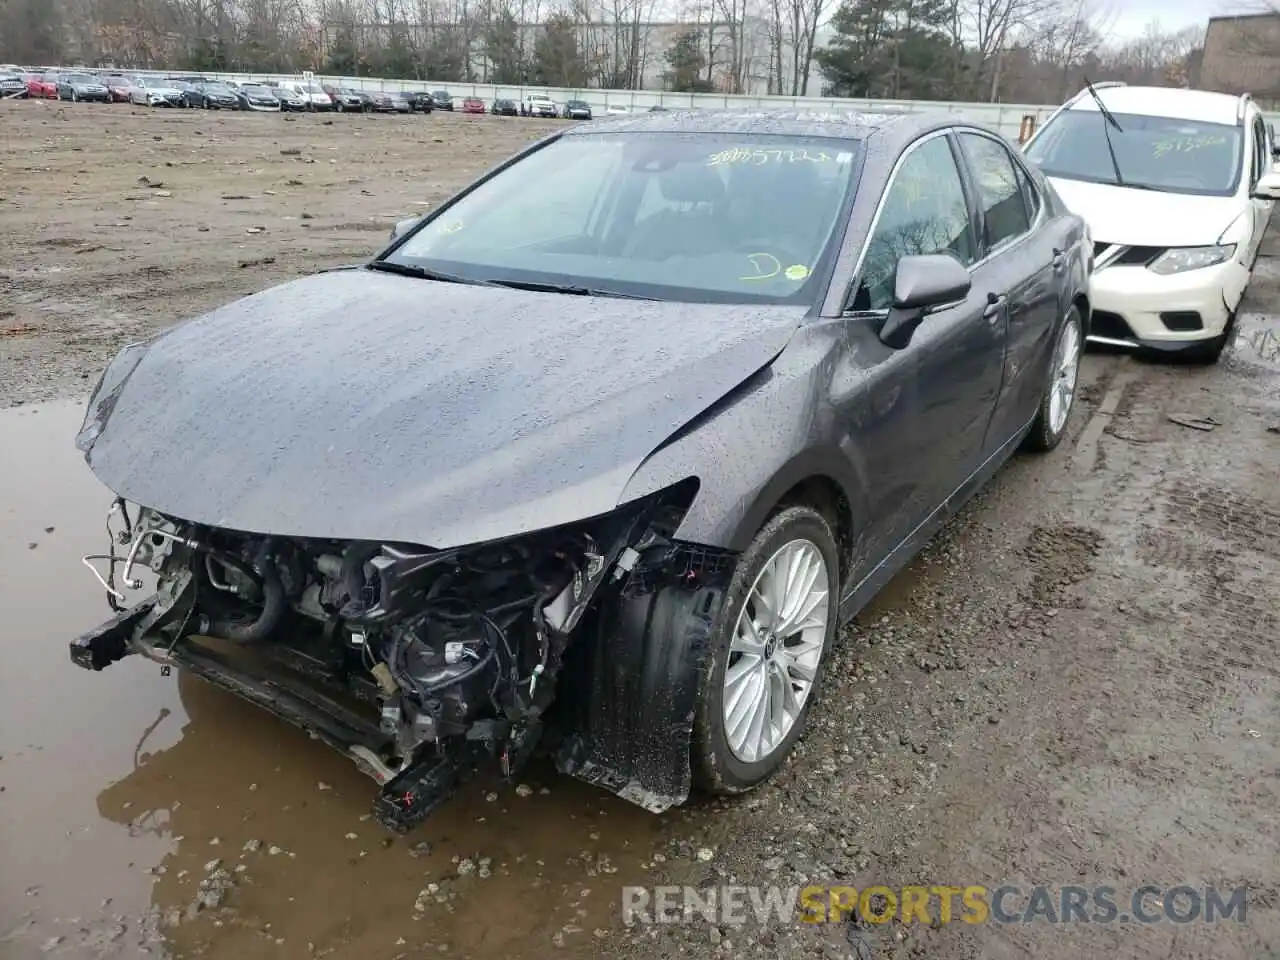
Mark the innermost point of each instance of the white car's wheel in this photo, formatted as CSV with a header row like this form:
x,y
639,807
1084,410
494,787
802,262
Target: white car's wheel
x,y
1210,351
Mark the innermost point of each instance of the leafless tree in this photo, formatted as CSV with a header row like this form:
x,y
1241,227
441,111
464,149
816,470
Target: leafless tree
x,y
992,25
1064,37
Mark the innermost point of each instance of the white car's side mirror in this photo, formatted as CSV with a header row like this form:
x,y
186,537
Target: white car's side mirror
x,y
1268,186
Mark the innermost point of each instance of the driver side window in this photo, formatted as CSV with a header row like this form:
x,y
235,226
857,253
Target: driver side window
x,y
924,212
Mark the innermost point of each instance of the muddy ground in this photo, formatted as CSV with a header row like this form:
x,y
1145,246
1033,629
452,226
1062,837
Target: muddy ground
x,y
1076,684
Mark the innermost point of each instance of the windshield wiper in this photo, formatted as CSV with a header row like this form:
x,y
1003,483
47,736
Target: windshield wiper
x,y
568,288
422,273
1108,121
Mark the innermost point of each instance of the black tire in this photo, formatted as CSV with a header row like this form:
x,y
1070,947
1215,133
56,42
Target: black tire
x,y
715,768
1210,351
1043,437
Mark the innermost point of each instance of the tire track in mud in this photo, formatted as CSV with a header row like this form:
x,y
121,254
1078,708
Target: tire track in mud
x,y
1158,747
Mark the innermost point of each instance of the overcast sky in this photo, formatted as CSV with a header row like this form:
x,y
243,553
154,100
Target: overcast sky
x,y
1130,17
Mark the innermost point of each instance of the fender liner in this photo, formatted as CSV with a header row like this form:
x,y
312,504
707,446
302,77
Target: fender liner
x,y
640,679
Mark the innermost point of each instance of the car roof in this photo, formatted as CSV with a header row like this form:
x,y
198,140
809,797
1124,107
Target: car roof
x,y
1172,102
888,128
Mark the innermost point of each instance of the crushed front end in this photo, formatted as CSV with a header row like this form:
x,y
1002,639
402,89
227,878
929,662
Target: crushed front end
x,y
584,641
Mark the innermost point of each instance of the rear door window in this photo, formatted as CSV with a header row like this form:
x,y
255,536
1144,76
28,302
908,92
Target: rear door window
x,y
1000,195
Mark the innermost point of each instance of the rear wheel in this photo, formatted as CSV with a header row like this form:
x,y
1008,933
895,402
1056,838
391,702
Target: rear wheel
x,y
1060,391
767,652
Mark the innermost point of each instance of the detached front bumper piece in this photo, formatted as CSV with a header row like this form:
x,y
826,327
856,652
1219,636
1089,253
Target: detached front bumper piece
x,y
408,796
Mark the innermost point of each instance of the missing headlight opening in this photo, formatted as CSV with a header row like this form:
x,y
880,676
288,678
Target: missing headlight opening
x,y
421,663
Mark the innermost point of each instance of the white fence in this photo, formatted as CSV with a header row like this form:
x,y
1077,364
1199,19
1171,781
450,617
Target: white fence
x,y
1005,117
1008,118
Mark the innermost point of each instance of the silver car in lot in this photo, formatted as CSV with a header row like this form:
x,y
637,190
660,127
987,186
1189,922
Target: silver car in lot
x,y
153,92
82,86
257,96
12,86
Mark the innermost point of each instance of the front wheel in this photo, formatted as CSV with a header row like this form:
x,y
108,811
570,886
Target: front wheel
x,y
75,98
1210,351
768,647
1050,425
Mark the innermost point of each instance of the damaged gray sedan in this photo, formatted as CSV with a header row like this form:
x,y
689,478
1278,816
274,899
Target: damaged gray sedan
x,y
594,470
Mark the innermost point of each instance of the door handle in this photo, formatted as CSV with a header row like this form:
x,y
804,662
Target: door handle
x,y
995,306
1059,260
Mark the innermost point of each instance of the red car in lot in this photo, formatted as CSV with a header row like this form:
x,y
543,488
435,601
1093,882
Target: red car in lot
x,y
119,87
42,85
473,105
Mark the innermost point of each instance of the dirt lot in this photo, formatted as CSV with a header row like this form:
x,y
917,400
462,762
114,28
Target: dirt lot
x,y
1078,683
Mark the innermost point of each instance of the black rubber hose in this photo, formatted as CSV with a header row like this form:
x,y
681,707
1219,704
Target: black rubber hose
x,y
273,607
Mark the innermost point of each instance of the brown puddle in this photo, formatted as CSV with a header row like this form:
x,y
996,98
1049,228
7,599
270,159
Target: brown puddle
x,y
121,788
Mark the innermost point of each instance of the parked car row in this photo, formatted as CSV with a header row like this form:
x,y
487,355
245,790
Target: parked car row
x,y
274,95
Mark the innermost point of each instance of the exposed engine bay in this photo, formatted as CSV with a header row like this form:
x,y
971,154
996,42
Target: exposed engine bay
x,y
419,663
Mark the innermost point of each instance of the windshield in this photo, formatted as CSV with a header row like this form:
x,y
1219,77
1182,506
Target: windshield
x,y
79,78
440,93
312,88
217,88
255,91
1162,153
703,218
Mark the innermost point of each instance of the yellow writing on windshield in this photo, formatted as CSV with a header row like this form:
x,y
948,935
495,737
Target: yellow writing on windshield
x,y
758,156
1163,148
766,266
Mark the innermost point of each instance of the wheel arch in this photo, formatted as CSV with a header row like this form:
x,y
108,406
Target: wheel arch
x,y
812,478
1081,302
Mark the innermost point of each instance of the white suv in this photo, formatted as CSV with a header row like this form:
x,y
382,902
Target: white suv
x,y
1176,186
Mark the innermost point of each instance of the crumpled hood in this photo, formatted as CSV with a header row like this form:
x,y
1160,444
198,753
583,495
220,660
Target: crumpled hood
x,y
363,405
1147,218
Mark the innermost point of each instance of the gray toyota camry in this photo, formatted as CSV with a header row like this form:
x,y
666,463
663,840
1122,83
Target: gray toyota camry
x,y
595,459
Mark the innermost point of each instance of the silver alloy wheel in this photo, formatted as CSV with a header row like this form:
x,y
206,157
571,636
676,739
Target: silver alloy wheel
x,y
1065,373
777,646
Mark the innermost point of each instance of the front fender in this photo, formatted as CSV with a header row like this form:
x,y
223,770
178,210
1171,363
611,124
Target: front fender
x,y
777,430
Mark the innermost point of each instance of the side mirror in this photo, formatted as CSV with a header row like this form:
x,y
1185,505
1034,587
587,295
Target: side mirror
x,y
1268,186
403,227
921,284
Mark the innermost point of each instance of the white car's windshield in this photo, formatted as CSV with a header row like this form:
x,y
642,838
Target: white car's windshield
x,y
709,218
1162,153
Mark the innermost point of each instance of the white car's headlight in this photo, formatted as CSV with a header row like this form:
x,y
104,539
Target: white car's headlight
x,y
1182,259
